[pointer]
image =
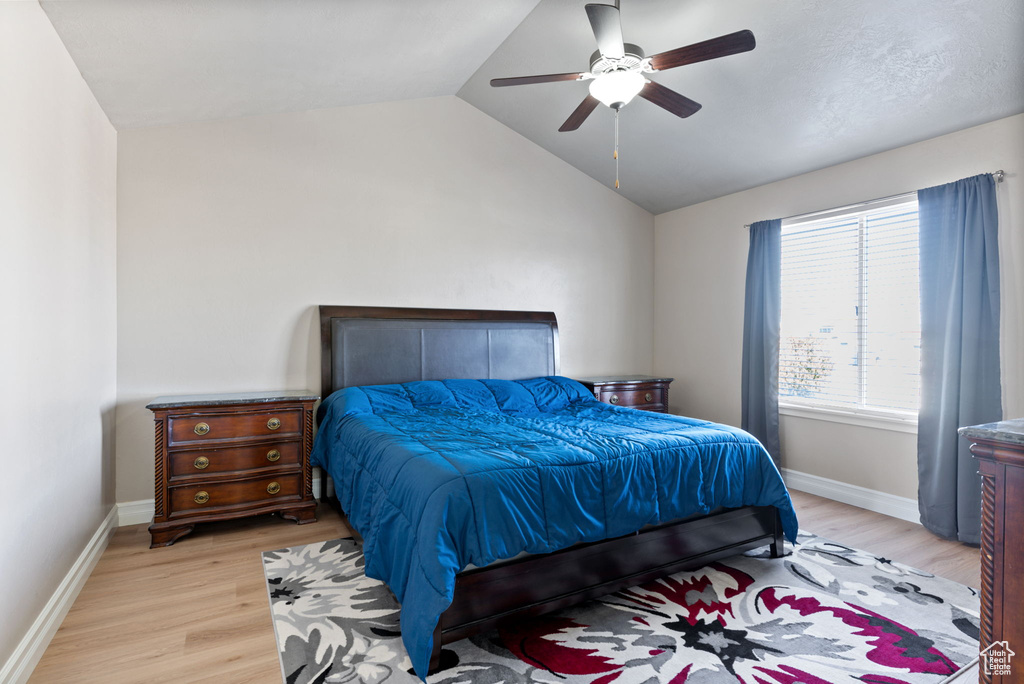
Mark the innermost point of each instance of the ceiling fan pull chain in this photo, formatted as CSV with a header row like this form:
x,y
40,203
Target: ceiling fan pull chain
x,y
615,154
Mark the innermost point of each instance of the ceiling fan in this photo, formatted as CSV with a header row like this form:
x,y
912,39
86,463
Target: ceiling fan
x,y
617,70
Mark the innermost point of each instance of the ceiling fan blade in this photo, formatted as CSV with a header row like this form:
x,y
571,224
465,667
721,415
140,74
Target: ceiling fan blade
x,y
527,80
580,114
670,100
604,19
731,44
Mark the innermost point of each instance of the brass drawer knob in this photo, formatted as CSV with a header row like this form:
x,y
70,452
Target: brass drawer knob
x,y
274,423
273,488
648,397
614,399
273,455
201,497
201,462
201,428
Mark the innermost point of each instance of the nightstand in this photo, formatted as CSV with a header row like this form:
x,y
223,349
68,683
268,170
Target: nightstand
x,y
644,392
223,456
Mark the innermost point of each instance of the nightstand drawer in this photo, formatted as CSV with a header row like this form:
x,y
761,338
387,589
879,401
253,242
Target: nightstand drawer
x,y
215,495
643,392
213,427
210,461
634,398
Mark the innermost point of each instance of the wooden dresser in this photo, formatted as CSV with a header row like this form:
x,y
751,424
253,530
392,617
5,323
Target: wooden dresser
x,y
999,448
222,456
644,392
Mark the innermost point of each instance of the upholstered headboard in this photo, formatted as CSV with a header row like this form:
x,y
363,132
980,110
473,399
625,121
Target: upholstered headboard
x,y
382,345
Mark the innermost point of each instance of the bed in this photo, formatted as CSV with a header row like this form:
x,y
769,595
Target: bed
x,y
486,487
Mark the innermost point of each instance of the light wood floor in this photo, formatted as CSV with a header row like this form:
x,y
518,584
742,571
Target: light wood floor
x,y
197,611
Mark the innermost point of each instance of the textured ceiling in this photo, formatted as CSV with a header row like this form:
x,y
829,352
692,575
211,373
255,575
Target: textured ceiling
x,y
152,62
829,81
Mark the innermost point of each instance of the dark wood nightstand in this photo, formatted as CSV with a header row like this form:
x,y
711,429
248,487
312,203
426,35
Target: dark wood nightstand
x,y
222,456
644,392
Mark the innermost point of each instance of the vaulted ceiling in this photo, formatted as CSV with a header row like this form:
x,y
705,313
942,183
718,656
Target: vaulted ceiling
x,y
828,82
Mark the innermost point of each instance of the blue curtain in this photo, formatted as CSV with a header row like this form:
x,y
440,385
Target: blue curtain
x,y
762,316
959,348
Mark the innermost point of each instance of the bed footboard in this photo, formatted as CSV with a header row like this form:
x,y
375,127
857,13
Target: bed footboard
x,y
534,585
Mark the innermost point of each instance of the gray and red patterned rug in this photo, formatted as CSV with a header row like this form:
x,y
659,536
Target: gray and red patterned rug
x,y
825,614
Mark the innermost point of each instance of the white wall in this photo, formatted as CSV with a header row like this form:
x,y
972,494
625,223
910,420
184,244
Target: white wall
x,y
231,232
58,222
700,268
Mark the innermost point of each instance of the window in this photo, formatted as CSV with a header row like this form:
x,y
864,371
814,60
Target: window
x,y
851,322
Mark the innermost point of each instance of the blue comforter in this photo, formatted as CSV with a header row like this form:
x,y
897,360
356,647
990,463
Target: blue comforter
x,y
438,475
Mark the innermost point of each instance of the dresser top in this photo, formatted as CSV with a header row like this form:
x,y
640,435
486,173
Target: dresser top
x,y
1011,431
178,400
623,379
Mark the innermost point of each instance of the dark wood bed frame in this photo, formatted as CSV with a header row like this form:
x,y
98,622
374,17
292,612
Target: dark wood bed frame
x,y
535,584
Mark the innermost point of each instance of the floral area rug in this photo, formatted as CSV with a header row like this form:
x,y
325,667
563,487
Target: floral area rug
x,y
826,614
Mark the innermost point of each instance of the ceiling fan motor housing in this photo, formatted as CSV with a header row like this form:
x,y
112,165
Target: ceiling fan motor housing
x,y
632,60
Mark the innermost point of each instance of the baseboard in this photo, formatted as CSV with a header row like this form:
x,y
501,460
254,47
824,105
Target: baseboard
x,y
141,511
138,512
26,655
135,512
968,674
862,497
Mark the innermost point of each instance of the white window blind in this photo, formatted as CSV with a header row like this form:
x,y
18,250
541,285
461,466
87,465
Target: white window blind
x,y
851,322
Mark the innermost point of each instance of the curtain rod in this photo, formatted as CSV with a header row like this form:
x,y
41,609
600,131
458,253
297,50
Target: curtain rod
x,y
996,175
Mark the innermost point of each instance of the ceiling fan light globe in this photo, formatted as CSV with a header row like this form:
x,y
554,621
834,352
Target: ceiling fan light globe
x,y
616,88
